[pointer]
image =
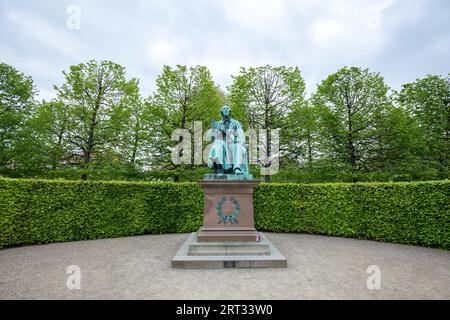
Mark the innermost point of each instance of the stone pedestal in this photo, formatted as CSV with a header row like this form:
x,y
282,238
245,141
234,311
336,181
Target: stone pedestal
x,y
228,211
228,238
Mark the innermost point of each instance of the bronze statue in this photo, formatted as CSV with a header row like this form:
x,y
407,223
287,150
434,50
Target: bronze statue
x,y
228,154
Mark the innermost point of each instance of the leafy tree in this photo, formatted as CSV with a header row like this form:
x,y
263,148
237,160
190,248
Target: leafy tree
x,y
183,95
399,144
99,124
305,134
353,100
16,103
428,100
44,137
135,140
95,95
268,95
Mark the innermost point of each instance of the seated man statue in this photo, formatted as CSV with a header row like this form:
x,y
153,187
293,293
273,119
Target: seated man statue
x,y
228,154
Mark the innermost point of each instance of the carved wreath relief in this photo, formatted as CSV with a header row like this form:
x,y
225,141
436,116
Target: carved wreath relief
x,y
228,218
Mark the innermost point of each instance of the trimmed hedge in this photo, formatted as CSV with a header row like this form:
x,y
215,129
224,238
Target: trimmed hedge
x,y
42,211
399,212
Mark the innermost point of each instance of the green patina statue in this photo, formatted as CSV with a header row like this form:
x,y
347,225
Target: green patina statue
x,y
228,155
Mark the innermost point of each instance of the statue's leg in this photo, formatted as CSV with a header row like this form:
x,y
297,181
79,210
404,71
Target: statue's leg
x,y
228,158
240,159
218,168
244,160
216,157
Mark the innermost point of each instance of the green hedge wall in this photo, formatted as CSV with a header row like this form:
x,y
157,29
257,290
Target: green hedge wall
x,y
400,212
42,211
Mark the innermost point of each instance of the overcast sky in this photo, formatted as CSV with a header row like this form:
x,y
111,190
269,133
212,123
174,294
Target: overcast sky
x,y
401,39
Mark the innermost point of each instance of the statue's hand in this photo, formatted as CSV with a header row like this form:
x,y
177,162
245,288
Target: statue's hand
x,y
232,139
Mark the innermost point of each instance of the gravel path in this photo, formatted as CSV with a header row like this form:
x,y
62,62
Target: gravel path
x,y
319,267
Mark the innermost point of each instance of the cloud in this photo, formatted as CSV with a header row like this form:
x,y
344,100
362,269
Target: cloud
x,y
401,39
164,50
253,14
56,39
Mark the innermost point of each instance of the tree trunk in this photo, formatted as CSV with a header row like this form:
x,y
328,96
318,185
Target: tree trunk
x,y
91,132
350,144
352,151
308,141
447,134
59,144
135,142
266,178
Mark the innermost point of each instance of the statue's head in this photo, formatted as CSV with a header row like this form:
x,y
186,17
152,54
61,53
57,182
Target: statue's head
x,y
225,111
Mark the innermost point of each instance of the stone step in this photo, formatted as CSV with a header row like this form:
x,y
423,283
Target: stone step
x,y
214,255
205,249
